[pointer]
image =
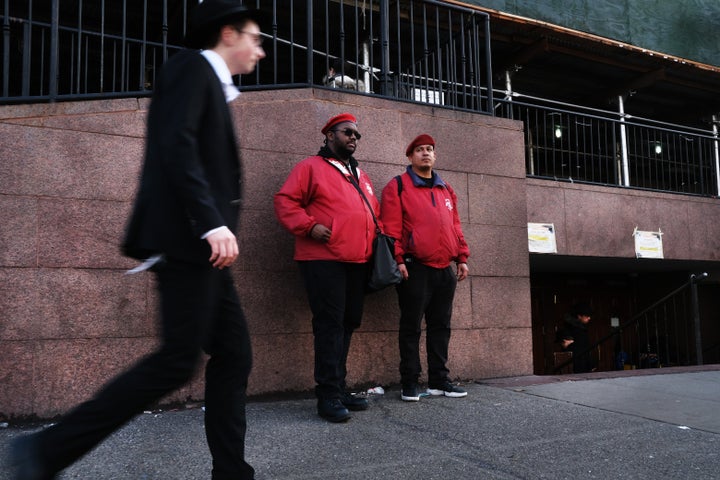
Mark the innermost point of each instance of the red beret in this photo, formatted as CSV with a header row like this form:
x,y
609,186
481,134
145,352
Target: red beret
x,y
343,117
423,139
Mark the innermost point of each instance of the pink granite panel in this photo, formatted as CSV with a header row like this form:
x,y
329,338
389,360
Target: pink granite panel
x,y
546,204
492,352
17,387
374,360
69,164
19,305
500,302
381,312
282,362
41,110
69,372
497,200
264,243
93,304
498,250
703,231
483,149
68,303
82,233
594,226
18,235
126,124
274,302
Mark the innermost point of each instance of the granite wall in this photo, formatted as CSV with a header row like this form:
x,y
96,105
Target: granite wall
x,y
70,319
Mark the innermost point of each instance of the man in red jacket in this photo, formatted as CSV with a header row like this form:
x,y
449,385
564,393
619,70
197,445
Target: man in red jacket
x,y
419,210
320,203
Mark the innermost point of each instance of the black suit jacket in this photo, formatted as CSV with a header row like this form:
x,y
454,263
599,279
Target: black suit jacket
x,y
190,179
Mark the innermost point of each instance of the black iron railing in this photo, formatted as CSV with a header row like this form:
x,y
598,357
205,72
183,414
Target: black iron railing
x,y
421,51
665,334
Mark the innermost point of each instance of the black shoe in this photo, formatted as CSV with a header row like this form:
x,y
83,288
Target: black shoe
x,y
333,410
354,402
447,389
409,392
25,460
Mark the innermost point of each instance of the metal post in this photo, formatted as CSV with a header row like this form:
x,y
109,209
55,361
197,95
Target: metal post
x,y
717,153
623,143
310,46
54,49
488,67
694,279
6,50
385,47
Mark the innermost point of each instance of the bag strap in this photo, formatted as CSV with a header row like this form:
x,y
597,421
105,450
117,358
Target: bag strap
x,y
351,178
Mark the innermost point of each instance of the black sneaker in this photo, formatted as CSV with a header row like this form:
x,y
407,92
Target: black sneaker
x,y
447,389
409,392
332,409
354,402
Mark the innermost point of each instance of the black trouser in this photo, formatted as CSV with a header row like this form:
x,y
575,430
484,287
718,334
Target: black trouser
x,y
336,292
200,310
427,292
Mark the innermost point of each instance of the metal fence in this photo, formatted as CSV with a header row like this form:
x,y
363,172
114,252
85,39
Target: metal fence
x,y
422,51
567,143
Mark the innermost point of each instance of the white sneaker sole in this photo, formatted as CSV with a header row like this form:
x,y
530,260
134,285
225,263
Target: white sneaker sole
x,y
432,391
410,399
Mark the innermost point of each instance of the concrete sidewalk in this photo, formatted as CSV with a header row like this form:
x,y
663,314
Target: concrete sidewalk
x,y
664,425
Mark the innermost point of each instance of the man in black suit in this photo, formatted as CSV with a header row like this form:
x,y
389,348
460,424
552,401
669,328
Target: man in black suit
x,y
182,225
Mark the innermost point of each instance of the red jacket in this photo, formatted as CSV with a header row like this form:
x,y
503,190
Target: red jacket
x,y
317,192
424,221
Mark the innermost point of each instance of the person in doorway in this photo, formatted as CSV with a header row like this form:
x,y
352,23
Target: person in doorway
x,y
419,210
322,204
182,224
573,337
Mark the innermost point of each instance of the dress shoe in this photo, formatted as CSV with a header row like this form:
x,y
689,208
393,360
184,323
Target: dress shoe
x,y
354,402
332,409
25,460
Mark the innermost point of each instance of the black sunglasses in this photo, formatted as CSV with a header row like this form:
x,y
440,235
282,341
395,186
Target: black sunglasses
x,y
349,132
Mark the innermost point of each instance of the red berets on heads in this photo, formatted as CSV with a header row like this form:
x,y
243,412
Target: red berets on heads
x,y
343,117
423,139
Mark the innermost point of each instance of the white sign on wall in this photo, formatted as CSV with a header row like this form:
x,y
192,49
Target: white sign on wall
x,y
541,238
648,244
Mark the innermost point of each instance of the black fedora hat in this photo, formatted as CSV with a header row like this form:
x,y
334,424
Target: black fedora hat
x,y
207,17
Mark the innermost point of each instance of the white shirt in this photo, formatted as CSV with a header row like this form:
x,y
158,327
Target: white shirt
x,y
223,73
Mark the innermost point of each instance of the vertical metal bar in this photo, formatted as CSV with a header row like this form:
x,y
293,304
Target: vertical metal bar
x,y
623,143
124,82
696,315
143,49
385,47
292,41
6,49
310,46
79,48
488,68
165,33
54,49
26,58
716,145
102,46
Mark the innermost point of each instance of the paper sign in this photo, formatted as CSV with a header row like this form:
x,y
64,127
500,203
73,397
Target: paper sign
x,y
648,244
541,238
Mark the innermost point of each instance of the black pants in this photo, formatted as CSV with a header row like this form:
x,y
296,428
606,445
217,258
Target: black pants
x,y
427,292
200,310
336,292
